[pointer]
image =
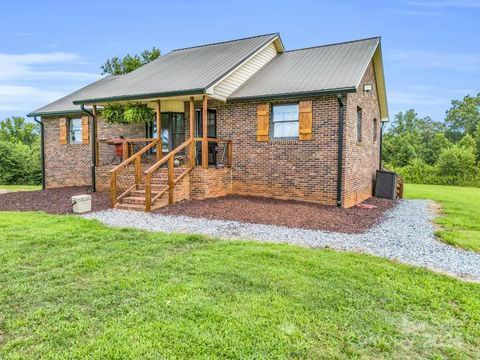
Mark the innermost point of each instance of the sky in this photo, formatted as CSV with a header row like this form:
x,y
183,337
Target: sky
x,y
431,49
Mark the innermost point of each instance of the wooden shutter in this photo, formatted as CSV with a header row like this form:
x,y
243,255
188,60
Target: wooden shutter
x,y
263,118
305,120
85,130
63,131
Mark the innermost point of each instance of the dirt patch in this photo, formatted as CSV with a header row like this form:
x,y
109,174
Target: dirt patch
x,y
52,201
287,213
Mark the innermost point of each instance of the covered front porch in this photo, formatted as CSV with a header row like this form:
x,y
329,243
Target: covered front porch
x,y
143,173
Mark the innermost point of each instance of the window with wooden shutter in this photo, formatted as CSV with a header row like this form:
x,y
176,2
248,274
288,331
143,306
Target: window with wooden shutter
x,y
63,131
305,120
263,119
85,130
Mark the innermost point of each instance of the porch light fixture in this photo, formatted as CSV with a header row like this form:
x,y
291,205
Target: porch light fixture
x,y
367,88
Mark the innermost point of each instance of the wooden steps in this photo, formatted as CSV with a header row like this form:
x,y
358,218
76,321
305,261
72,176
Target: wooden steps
x,y
143,187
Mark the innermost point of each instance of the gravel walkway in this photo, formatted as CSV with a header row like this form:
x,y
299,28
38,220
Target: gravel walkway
x,y
405,234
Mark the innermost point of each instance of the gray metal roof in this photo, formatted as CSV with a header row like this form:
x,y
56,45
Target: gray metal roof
x,y
306,71
65,104
182,71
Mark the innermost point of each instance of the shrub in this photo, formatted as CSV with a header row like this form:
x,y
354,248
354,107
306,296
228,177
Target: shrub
x,y
19,163
456,165
418,172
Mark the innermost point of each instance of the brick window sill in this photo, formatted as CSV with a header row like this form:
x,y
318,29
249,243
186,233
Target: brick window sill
x,y
284,142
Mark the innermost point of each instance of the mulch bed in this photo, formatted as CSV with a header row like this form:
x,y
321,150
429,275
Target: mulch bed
x,y
52,201
287,213
249,209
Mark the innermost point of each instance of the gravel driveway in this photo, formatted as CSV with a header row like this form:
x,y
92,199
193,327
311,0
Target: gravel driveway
x,y
405,234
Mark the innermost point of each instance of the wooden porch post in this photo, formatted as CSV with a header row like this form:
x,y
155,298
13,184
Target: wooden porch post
x,y
95,136
192,132
158,110
205,133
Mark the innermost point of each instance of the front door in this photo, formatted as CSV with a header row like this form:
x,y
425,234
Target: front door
x,y
211,133
173,130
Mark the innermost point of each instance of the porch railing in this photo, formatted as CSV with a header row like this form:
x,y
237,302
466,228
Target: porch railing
x,y
224,150
129,172
163,175
182,154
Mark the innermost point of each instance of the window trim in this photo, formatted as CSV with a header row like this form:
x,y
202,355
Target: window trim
x,y
69,132
272,127
359,125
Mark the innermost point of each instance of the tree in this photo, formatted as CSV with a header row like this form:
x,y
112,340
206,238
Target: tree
x,y
411,137
117,66
477,141
463,117
457,165
468,142
434,147
19,163
16,129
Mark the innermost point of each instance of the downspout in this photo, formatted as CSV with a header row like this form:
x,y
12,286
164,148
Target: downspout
x,y
42,150
340,149
94,149
381,144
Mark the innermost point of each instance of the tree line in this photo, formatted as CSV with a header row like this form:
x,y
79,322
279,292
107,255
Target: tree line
x,y
434,152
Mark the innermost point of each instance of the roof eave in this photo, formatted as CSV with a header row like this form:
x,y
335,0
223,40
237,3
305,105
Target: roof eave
x,y
140,96
301,94
53,113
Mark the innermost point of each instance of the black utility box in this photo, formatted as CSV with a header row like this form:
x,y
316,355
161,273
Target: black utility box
x,y
386,185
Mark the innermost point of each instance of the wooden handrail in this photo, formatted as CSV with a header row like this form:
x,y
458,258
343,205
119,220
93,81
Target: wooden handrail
x,y
171,154
169,158
134,156
213,140
138,171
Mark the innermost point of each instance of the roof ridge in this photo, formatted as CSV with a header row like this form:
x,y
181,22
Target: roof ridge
x,y
333,44
226,41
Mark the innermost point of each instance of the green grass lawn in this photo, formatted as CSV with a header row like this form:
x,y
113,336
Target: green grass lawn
x,y
460,220
73,288
20,187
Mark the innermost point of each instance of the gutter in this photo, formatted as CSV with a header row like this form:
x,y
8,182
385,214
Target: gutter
x,y
141,96
341,112
291,95
94,149
42,150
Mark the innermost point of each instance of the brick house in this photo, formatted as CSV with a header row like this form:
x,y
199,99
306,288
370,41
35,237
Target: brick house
x,y
236,117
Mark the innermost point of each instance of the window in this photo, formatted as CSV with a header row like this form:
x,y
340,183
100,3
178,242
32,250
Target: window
x,y
285,121
359,125
75,131
375,124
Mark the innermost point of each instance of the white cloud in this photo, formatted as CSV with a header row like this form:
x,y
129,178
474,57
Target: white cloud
x,y
446,4
28,67
29,81
419,12
18,98
435,59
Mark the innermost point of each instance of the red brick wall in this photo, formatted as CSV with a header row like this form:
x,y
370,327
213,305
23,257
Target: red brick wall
x,y
303,170
70,165
208,183
361,159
